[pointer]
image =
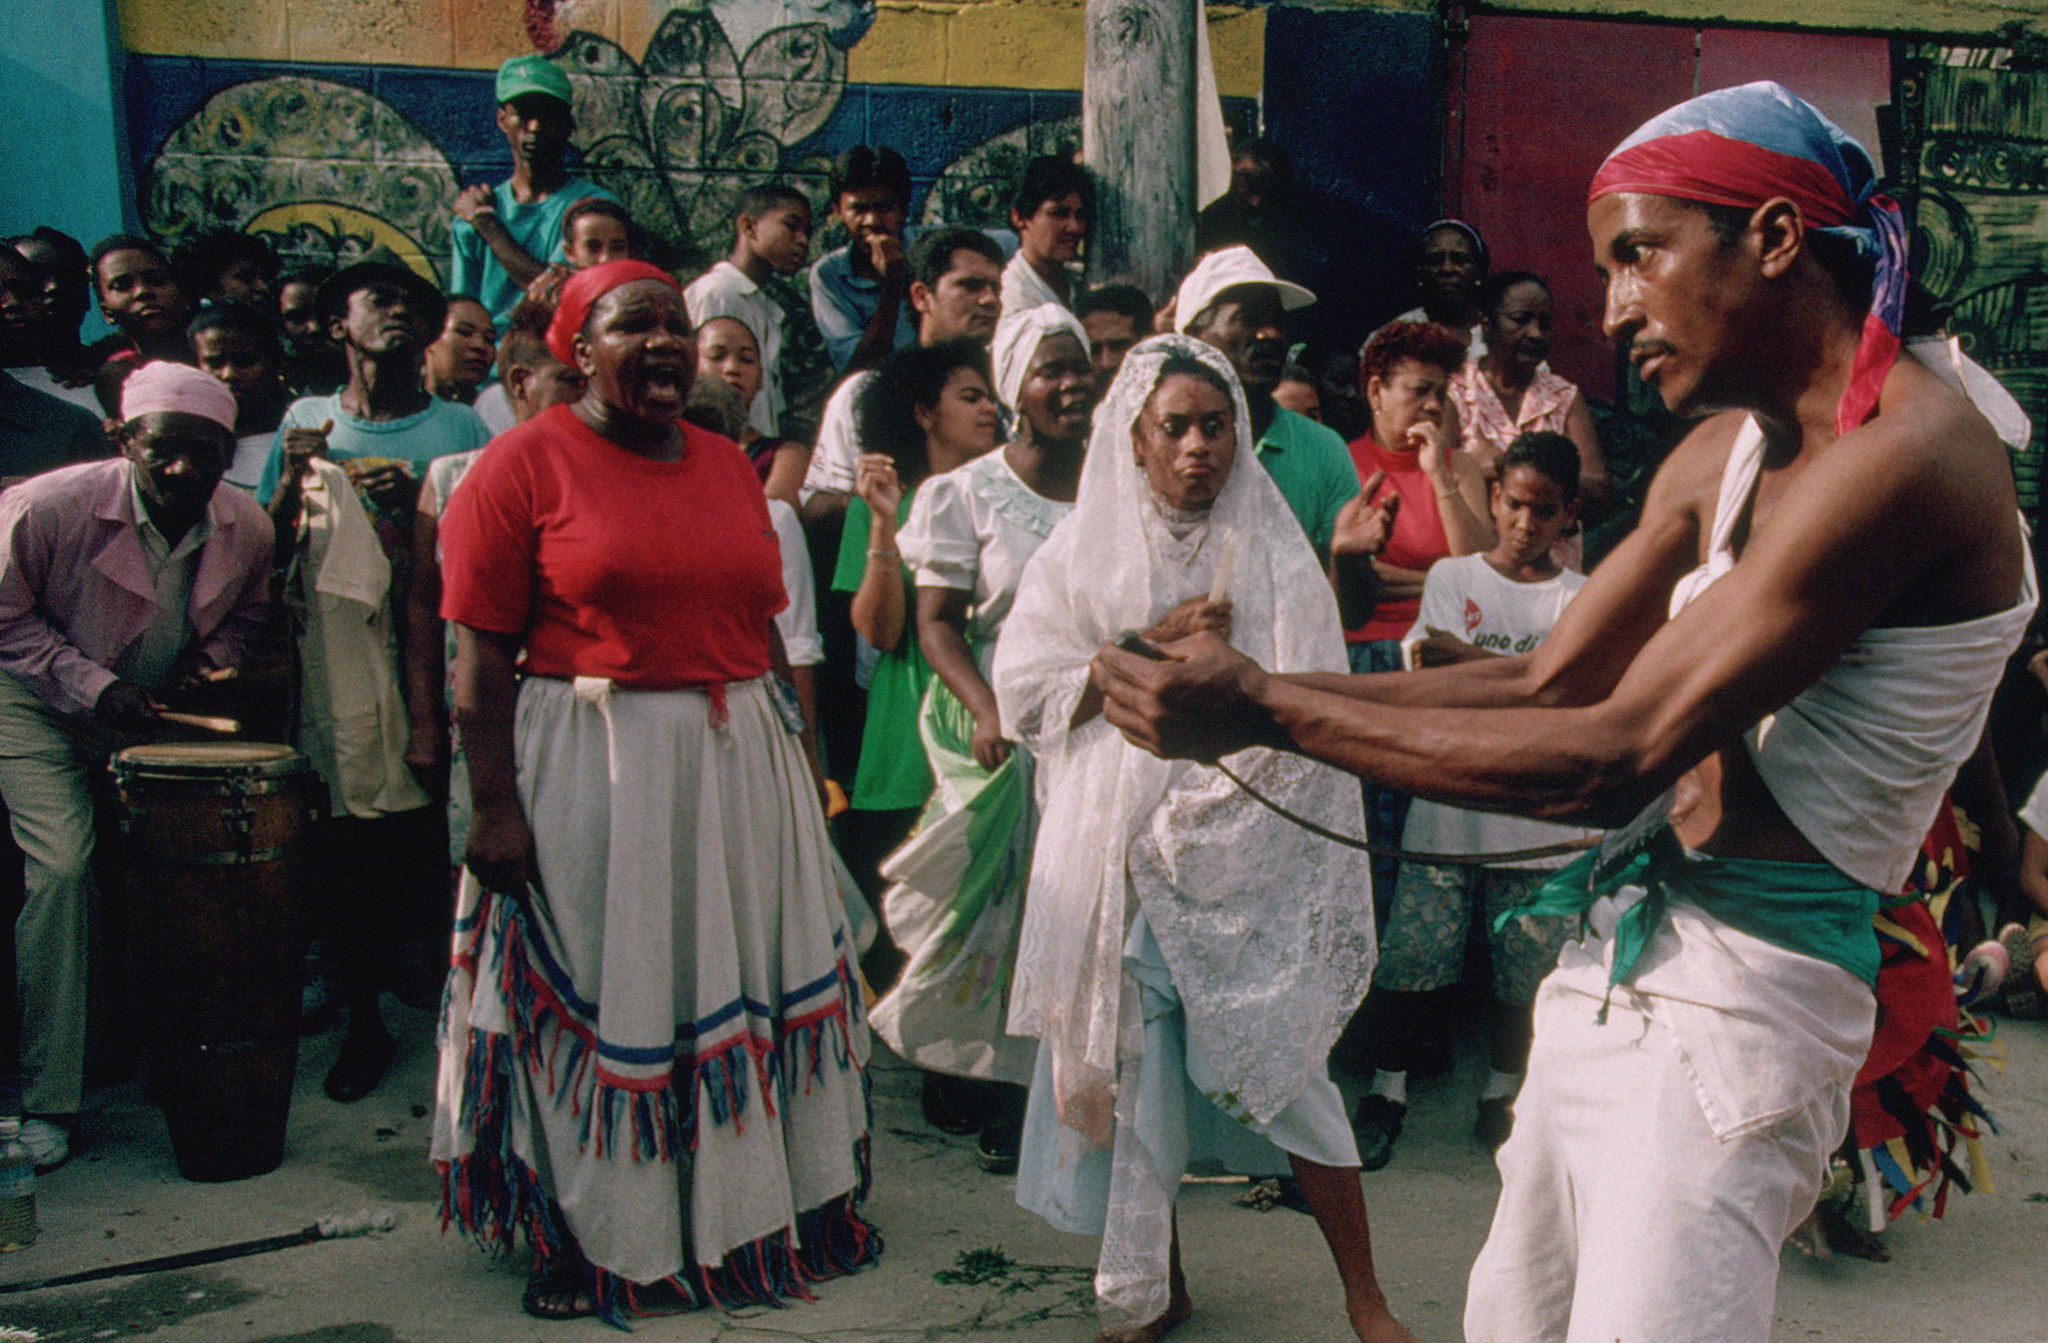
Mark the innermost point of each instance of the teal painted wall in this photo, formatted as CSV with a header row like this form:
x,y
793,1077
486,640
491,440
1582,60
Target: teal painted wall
x,y
65,163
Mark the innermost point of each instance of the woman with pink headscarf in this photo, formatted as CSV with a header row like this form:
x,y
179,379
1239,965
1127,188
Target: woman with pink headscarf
x,y
653,1049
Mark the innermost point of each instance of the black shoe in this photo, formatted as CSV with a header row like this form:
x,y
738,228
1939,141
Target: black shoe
x,y
1496,1120
1376,1125
365,1054
996,1149
954,1105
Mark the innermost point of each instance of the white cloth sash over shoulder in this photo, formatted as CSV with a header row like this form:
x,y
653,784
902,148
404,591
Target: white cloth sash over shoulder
x,y
1859,760
352,720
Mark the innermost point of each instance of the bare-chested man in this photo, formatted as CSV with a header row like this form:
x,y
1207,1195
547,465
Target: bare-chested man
x,y
1806,626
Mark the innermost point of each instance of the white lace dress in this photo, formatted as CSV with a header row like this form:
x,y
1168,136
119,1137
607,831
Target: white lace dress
x,y
1187,958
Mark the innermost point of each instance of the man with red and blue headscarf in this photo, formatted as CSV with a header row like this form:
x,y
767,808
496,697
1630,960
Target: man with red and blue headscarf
x,y
1765,690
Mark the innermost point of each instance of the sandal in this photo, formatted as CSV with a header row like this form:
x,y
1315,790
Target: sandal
x,y
559,1288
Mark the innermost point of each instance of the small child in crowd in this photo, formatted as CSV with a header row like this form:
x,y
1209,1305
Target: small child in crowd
x,y
1496,604
595,231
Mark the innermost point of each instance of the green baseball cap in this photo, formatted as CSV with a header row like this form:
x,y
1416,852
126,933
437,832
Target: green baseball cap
x,y
532,74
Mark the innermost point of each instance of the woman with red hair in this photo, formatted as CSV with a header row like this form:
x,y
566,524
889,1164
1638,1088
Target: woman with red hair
x,y
1404,377
653,1051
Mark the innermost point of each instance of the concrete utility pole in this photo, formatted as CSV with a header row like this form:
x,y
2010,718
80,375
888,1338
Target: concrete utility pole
x,y
1138,138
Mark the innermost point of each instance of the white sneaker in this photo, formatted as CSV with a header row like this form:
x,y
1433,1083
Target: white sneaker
x,y
47,1142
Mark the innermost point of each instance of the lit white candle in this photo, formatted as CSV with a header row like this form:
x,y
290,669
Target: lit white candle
x,y
1219,587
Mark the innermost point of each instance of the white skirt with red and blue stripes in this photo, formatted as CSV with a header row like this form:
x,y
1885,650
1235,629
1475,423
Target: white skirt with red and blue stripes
x,y
659,1057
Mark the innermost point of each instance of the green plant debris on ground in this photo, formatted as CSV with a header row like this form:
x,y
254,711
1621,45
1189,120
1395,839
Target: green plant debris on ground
x,y
977,1266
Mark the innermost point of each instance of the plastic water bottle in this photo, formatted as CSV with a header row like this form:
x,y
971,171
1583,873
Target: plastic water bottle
x,y
17,1189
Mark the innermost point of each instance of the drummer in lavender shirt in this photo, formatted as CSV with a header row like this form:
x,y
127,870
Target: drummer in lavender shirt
x,y
119,580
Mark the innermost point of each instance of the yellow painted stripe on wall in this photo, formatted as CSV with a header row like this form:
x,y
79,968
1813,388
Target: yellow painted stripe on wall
x,y
1011,44
1977,18
1024,44
447,34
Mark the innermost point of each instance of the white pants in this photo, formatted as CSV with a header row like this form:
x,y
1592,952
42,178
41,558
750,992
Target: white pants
x,y
1622,1216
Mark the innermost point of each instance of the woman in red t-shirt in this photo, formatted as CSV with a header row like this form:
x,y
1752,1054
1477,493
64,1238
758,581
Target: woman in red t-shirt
x,y
1404,375
653,1046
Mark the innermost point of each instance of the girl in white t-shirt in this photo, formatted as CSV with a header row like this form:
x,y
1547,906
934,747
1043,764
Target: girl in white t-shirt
x,y
1499,604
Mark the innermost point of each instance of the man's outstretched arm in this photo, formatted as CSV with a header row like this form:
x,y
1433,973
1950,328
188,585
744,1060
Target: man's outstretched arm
x,y
1801,594
1607,623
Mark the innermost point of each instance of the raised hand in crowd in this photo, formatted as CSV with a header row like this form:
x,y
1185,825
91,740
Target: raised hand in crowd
x,y
473,200
1426,439
1363,524
885,254
391,486
546,287
1357,537
298,448
1459,482
876,483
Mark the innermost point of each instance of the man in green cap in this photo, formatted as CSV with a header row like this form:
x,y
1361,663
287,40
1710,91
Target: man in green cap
x,y
507,235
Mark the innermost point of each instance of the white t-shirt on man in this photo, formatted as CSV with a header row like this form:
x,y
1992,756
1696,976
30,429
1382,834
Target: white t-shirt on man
x,y
833,461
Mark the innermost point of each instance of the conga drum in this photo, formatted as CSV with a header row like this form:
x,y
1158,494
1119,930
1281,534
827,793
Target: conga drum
x,y
215,875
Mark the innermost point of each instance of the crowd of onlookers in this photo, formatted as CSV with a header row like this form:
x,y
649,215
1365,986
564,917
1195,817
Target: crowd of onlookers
x,y
1444,477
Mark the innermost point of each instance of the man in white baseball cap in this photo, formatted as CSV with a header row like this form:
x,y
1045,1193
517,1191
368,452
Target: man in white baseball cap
x,y
1232,301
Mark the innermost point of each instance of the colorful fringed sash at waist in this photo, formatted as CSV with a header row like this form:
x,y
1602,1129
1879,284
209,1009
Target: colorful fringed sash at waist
x,y
1808,908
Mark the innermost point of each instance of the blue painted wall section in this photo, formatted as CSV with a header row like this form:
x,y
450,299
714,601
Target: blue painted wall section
x,y
1356,97
328,160
964,145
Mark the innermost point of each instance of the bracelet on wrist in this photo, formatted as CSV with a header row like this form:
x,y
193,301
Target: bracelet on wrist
x,y
890,554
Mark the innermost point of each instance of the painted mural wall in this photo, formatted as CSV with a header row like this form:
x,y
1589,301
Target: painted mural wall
x,y
330,126
1978,168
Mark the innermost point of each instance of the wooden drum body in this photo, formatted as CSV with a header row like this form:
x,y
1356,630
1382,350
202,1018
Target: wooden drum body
x,y
214,865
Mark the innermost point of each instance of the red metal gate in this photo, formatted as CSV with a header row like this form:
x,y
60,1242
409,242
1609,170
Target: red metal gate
x,y
1538,102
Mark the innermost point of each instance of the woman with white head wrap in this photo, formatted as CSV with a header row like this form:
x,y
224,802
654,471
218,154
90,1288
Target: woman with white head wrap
x,y
1187,957
959,883
1018,337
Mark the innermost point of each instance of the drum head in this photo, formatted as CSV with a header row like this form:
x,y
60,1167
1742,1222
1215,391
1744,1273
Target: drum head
x,y
208,759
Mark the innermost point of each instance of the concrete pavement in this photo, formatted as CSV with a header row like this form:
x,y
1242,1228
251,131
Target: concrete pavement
x,y
1255,1275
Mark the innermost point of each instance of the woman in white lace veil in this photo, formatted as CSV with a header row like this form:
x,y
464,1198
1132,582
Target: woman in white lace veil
x,y
1187,957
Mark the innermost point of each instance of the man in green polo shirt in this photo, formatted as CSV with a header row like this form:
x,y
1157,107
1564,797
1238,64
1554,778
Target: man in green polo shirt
x,y
1232,301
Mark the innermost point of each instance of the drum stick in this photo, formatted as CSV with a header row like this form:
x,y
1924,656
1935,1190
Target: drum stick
x,y
327,1228
1219,587
204,722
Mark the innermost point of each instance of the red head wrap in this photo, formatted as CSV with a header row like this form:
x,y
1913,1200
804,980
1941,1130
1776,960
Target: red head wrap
x,y
1746,145
581,294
